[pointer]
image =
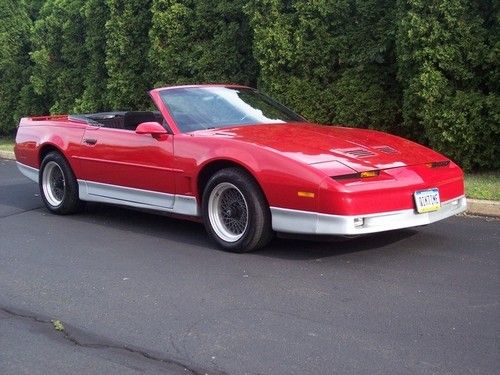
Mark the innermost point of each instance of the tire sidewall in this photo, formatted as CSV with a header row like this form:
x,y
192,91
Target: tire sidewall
x,y
70,199
251,197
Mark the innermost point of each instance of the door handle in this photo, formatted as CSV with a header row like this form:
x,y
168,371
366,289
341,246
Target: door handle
x,y
90,141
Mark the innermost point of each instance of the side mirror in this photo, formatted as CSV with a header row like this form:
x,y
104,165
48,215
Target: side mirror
x,y
151,127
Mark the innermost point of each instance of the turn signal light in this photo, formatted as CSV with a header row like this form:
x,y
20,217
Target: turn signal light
x,y
366,174
369,174
305,194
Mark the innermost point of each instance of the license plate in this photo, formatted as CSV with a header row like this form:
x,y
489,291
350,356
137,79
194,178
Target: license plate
x,y
427,200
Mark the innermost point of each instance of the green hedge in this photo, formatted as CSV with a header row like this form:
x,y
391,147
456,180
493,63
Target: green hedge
x,y
423,69
15,30
447,57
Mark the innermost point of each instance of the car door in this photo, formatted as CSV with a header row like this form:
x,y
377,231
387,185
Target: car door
x,y
120,166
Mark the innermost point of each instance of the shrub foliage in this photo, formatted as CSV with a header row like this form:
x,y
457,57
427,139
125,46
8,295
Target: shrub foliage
x,y
423,69
15,26
447,54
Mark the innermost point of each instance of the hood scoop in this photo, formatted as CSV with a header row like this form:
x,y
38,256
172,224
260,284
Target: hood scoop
x,y
356,152
386,149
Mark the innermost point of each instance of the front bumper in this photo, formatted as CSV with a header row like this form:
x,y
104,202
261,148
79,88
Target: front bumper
x,y
304,222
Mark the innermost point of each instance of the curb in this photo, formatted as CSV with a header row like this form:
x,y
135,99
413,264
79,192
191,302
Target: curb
x,y
474,206
483,208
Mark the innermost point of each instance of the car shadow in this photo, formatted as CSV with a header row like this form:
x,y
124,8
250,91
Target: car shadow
x,y
193,233
145,222
300,248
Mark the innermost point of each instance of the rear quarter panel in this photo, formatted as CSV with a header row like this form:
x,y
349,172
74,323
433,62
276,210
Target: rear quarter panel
x,y
33,135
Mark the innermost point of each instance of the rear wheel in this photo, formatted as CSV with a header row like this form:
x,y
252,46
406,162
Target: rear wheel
x,y
58,185
235,212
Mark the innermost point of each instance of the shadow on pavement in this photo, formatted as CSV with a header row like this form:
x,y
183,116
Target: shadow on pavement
x,y
193,233
313,248
144,222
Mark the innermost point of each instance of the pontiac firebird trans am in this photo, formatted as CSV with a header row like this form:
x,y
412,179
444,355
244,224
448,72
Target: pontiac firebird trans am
x,y
242,163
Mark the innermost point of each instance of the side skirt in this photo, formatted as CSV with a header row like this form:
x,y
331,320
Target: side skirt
x,y
151,200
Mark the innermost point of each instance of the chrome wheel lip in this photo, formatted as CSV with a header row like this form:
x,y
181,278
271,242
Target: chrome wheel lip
x,y
50,190
216,216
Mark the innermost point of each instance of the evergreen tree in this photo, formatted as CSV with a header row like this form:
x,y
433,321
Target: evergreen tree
x,y
14,60
30,103
201,41
127,53
58,55
427,69
330,60
33,7
448,67
95,14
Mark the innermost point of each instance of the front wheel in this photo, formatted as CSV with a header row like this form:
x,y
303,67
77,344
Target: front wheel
x,y
58,185
235,212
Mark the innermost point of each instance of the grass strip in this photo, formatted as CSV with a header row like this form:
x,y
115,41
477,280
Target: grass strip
x,y
483,185
6,144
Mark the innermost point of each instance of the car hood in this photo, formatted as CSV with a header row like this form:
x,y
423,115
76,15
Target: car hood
x,y
359,149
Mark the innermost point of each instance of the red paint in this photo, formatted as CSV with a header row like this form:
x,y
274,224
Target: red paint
x,y
125,158
152,128
283,158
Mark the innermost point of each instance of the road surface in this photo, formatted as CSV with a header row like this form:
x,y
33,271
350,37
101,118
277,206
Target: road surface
x,y
141,293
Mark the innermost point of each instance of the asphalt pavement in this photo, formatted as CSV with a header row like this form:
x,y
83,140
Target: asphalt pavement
x,y
142,293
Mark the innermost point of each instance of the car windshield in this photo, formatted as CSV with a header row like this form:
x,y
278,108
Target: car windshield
x,y
198,108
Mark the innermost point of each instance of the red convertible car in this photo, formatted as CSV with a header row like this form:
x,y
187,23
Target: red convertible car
x,y
241,162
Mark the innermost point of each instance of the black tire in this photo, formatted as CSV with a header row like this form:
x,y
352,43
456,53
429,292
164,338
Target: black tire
x,y
58,185
257,231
